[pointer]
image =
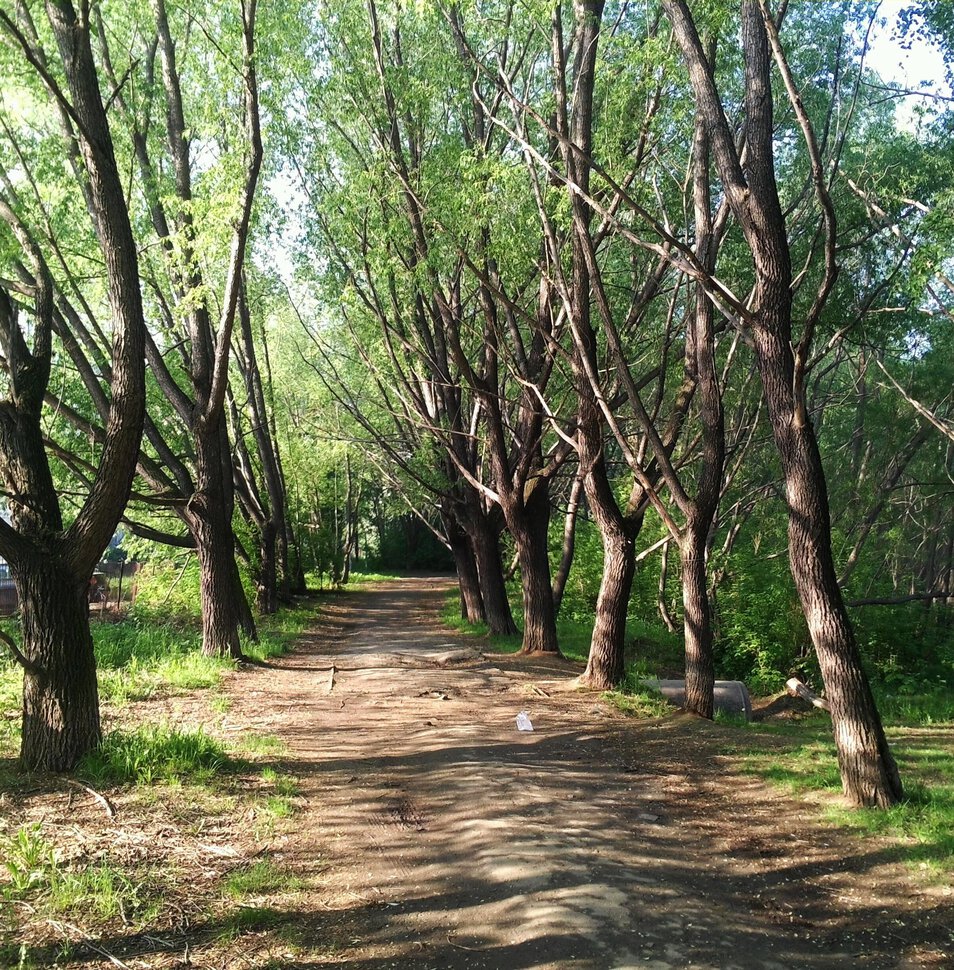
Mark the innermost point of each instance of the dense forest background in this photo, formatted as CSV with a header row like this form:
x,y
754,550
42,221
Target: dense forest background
x,y
636,315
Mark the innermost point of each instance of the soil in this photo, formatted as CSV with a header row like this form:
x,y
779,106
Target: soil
x,y
446,838
431,833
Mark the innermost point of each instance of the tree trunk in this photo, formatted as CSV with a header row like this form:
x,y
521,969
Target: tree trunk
x,y
493,589
605,665
266,599
697,622
60,698
293,568
209,514
529,530
868,771
471,602
569,543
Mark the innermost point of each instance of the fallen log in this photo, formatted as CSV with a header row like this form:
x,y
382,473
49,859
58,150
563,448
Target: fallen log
x,y
797,689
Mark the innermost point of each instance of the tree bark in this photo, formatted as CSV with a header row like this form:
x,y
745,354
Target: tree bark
x,y
60,697
569,543
471,601
697,623
493,589
209,515
868,771
605,665
530,534
52,566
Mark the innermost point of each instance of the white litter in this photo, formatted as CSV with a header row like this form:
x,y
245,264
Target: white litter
x,y
523,722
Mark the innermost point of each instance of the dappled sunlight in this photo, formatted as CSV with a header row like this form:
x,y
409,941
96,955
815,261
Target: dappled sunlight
x,y
592,841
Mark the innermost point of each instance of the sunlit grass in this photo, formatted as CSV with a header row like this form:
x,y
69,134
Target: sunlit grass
x,y
801,757
35,875
261,878
154,753
635,698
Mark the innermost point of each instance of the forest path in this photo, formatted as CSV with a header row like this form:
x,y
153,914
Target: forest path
x,y
435,835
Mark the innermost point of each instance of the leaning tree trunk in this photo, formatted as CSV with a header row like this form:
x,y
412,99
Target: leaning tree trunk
x,y
868,770
605,663
60,698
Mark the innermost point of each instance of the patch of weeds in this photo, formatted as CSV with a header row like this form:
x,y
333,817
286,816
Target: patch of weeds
x,y
221,703
574,637
277,632
928,706
102,890
154,753
249,919
362,578
730,719
11,697
637,699
262,745
279,806
278,802
28,860
450,616
282,784
259,879
142,655
36,875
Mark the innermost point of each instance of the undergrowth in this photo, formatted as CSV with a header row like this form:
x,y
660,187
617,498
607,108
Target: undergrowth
x,y
636,698
573,635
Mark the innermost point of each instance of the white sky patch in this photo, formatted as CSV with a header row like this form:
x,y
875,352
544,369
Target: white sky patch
x,y
920,68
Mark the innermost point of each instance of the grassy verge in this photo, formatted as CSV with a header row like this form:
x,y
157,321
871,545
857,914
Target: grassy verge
x,y
800,757
181,801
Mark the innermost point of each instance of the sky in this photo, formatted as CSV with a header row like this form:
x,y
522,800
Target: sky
x,y
906,68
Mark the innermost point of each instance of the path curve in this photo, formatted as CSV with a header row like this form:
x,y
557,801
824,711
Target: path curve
x,y
435,835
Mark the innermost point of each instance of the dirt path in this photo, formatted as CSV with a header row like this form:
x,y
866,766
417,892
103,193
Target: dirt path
x,y
437,836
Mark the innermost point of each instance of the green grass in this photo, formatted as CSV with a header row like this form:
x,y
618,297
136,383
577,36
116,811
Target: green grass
x,y
361,578
801,758
154,753
572,635
281,784
281,790
146,655
11,687
36,876
634,698
925,706
249,919
259,879
261,745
